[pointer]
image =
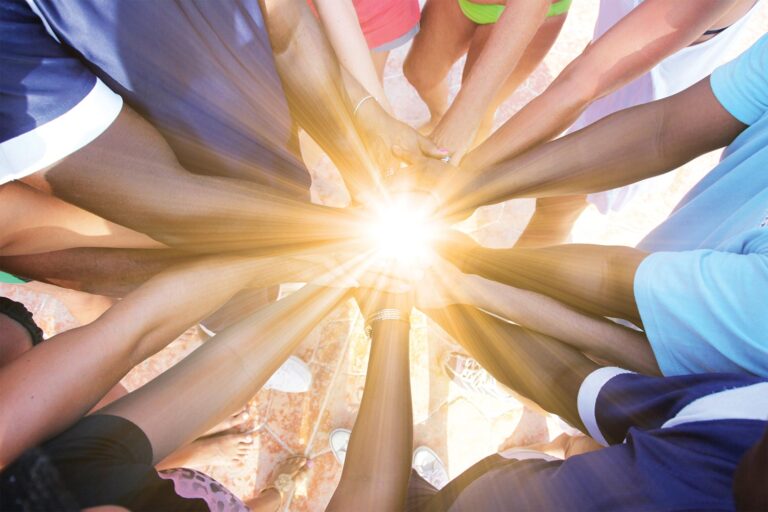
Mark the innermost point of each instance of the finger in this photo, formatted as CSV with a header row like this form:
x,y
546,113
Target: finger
x,y
404,154
430,149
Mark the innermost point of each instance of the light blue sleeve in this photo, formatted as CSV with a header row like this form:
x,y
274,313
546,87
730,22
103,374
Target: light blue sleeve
x,y
707,310
741,86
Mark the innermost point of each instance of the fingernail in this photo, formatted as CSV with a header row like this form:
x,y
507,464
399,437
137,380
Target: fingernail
x,y
444,151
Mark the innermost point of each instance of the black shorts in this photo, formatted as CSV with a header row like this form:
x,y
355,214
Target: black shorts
x,y
102,460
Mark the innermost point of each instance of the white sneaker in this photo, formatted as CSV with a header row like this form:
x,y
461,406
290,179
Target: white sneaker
x,y
469,375
339,440
293,377
429,467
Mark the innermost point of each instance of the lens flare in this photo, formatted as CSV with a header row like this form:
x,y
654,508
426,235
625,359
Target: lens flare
x,y
402,231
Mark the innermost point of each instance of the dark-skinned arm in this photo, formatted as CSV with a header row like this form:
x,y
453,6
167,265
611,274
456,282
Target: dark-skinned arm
x,y
538,367
626,147
597,279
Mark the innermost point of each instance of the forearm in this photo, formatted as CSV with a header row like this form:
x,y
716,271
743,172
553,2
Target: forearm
x,y
508,41
538,367
595,336
239,360
50,224
130,176
593,278
345,35
312,80
377,465
628,146
58,381
639,41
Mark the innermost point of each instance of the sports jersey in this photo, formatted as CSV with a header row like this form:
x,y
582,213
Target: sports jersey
x,y
674,444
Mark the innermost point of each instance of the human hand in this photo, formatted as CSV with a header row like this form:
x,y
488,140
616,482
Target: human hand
x,y
442,286
456,134
390,141
453,245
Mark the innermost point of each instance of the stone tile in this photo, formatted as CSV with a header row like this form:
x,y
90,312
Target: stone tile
x,y
314,493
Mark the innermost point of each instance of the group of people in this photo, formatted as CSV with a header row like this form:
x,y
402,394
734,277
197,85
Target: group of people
x,y
149,153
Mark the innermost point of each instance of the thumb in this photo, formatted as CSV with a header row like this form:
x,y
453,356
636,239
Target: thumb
x,y
430,149
403,154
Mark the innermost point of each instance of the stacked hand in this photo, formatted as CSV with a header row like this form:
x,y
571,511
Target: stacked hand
x,y
389,141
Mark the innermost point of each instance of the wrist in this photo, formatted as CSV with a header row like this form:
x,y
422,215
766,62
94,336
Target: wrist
x,y
391,316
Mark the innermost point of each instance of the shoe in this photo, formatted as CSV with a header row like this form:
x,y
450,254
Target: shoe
x,y
293,377
429,467
339,440
467,373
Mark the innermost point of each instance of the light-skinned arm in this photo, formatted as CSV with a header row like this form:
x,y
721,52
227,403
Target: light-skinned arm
x,y
378,461
508,41
342,27
57,382
643,38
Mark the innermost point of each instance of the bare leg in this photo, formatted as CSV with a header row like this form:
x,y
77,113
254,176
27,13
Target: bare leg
x,y
209,451
552,221
444,37
270,499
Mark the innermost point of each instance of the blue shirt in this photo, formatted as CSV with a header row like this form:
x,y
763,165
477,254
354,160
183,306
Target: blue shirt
x,y
202,73
674,442
703,293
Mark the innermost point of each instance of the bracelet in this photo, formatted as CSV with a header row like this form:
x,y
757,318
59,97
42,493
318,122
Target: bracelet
x,y
359,104
383,314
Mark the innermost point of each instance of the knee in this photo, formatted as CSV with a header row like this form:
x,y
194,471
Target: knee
x,y
415,73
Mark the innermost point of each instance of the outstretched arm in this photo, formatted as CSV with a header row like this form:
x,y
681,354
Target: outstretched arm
x,y
239,360
117,272
509,39
592,335
623,148
315,90
597,279
538,367
130,176
342,27
378,461
57,382
647,35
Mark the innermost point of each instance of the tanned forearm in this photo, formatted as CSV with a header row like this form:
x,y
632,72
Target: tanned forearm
x,y
378,461
623,148
593,278
239,360
593,335
58,381
129,175
538,367
312,80
642,39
